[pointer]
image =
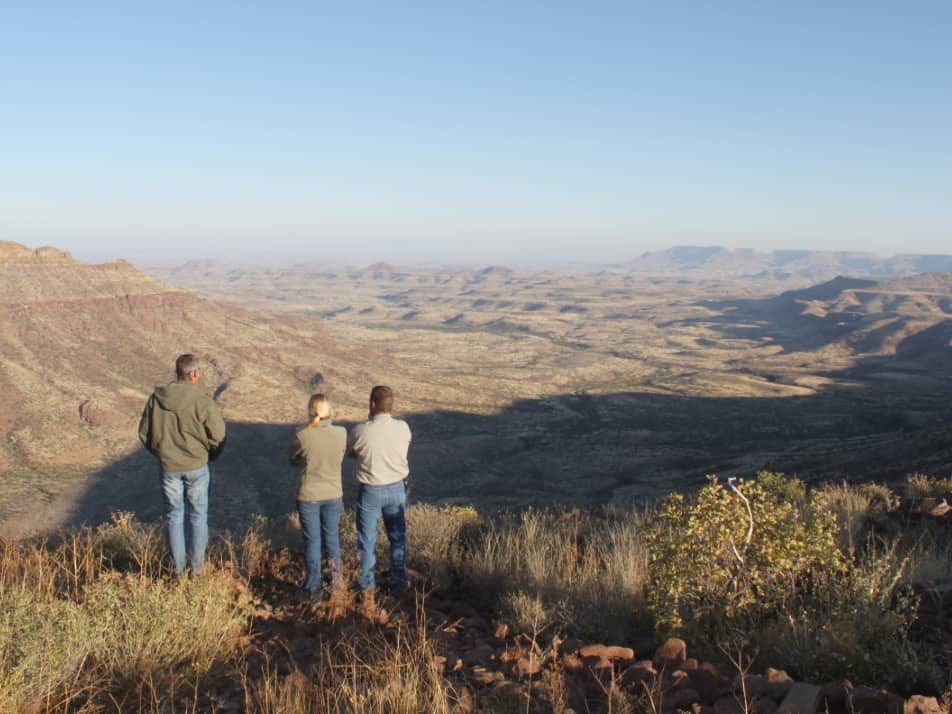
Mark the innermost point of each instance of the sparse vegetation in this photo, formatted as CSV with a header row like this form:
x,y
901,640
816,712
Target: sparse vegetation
x,y
92,620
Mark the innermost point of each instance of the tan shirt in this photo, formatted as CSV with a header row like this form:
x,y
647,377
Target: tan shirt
x,y
319,451
380,447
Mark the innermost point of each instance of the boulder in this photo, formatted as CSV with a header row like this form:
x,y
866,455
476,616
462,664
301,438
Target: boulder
x,y
866,700
919,704
527,666
834,695
801,698
625,653
728,705
671,654
779,684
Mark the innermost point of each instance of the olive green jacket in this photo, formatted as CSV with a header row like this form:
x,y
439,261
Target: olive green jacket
x,y
182,426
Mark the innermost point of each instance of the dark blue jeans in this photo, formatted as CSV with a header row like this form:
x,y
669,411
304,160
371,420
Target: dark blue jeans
x,y
320,522
373,502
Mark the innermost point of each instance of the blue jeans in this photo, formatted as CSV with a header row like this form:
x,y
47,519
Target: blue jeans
x,y
320,522
388,501
177,487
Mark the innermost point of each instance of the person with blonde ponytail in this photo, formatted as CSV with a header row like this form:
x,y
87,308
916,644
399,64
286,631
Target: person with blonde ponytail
x,y
318,448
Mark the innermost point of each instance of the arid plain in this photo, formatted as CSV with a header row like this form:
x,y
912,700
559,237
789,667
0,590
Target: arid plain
x,y
522,387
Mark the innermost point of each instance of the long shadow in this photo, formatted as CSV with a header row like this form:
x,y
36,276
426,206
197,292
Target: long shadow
x,y
586,450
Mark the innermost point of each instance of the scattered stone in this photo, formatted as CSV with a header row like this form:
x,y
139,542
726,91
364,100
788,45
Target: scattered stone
x,y
763,705
527,666
728,705
570,646
502,631
639,672
671,654
625,653
866,700
754,685
689,664
681,699
919,704
800,699
834,695
710,682
483,676
573,663
509,689
478,655
779,684
598,663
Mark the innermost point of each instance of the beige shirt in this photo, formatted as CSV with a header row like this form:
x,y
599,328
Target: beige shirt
x,y
380,447
319,451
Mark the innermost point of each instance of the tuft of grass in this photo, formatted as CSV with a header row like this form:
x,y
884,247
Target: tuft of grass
x,y
920,486
584,570
379,672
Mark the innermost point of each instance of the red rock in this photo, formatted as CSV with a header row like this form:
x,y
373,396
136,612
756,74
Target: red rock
x,y
728,705
570,646
572,663
597,663
625,653
480,654
483,676
779,684
527,666
800,699
919,704
502,631
689,664
834,695
680,700
711,684
866,700
641,671
751,685
671,654
509,689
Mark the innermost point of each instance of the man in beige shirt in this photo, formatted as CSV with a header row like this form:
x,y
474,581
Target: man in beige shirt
x,y
380,447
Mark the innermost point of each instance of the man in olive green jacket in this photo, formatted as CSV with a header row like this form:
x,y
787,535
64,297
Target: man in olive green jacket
x,y
183,428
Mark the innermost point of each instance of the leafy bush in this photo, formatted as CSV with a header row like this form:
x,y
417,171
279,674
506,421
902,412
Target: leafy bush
x,y
715,566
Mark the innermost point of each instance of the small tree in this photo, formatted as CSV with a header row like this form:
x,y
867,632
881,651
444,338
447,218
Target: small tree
x,y
731,556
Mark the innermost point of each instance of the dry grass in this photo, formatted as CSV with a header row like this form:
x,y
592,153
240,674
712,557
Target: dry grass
x,y
583,572
92,620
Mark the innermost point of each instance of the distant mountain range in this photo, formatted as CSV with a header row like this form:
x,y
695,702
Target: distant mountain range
x,y
783,266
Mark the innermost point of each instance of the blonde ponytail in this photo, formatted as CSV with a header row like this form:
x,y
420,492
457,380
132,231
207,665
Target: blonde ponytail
x,y
318,407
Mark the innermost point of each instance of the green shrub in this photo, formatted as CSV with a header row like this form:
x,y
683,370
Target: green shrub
x,y
713,566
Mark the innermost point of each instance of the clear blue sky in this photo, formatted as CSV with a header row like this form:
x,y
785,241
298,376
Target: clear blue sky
x,y
487,131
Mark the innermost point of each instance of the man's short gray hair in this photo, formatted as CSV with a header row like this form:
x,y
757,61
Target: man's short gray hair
x,y
185,365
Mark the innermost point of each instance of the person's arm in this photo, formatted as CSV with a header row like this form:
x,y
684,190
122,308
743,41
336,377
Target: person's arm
x,y
145,425
351,441
295,452
215,431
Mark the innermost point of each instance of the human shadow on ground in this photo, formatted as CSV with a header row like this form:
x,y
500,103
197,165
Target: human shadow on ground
x,y
583,449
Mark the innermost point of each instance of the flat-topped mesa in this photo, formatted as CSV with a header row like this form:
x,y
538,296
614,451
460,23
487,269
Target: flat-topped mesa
x,y
16,254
